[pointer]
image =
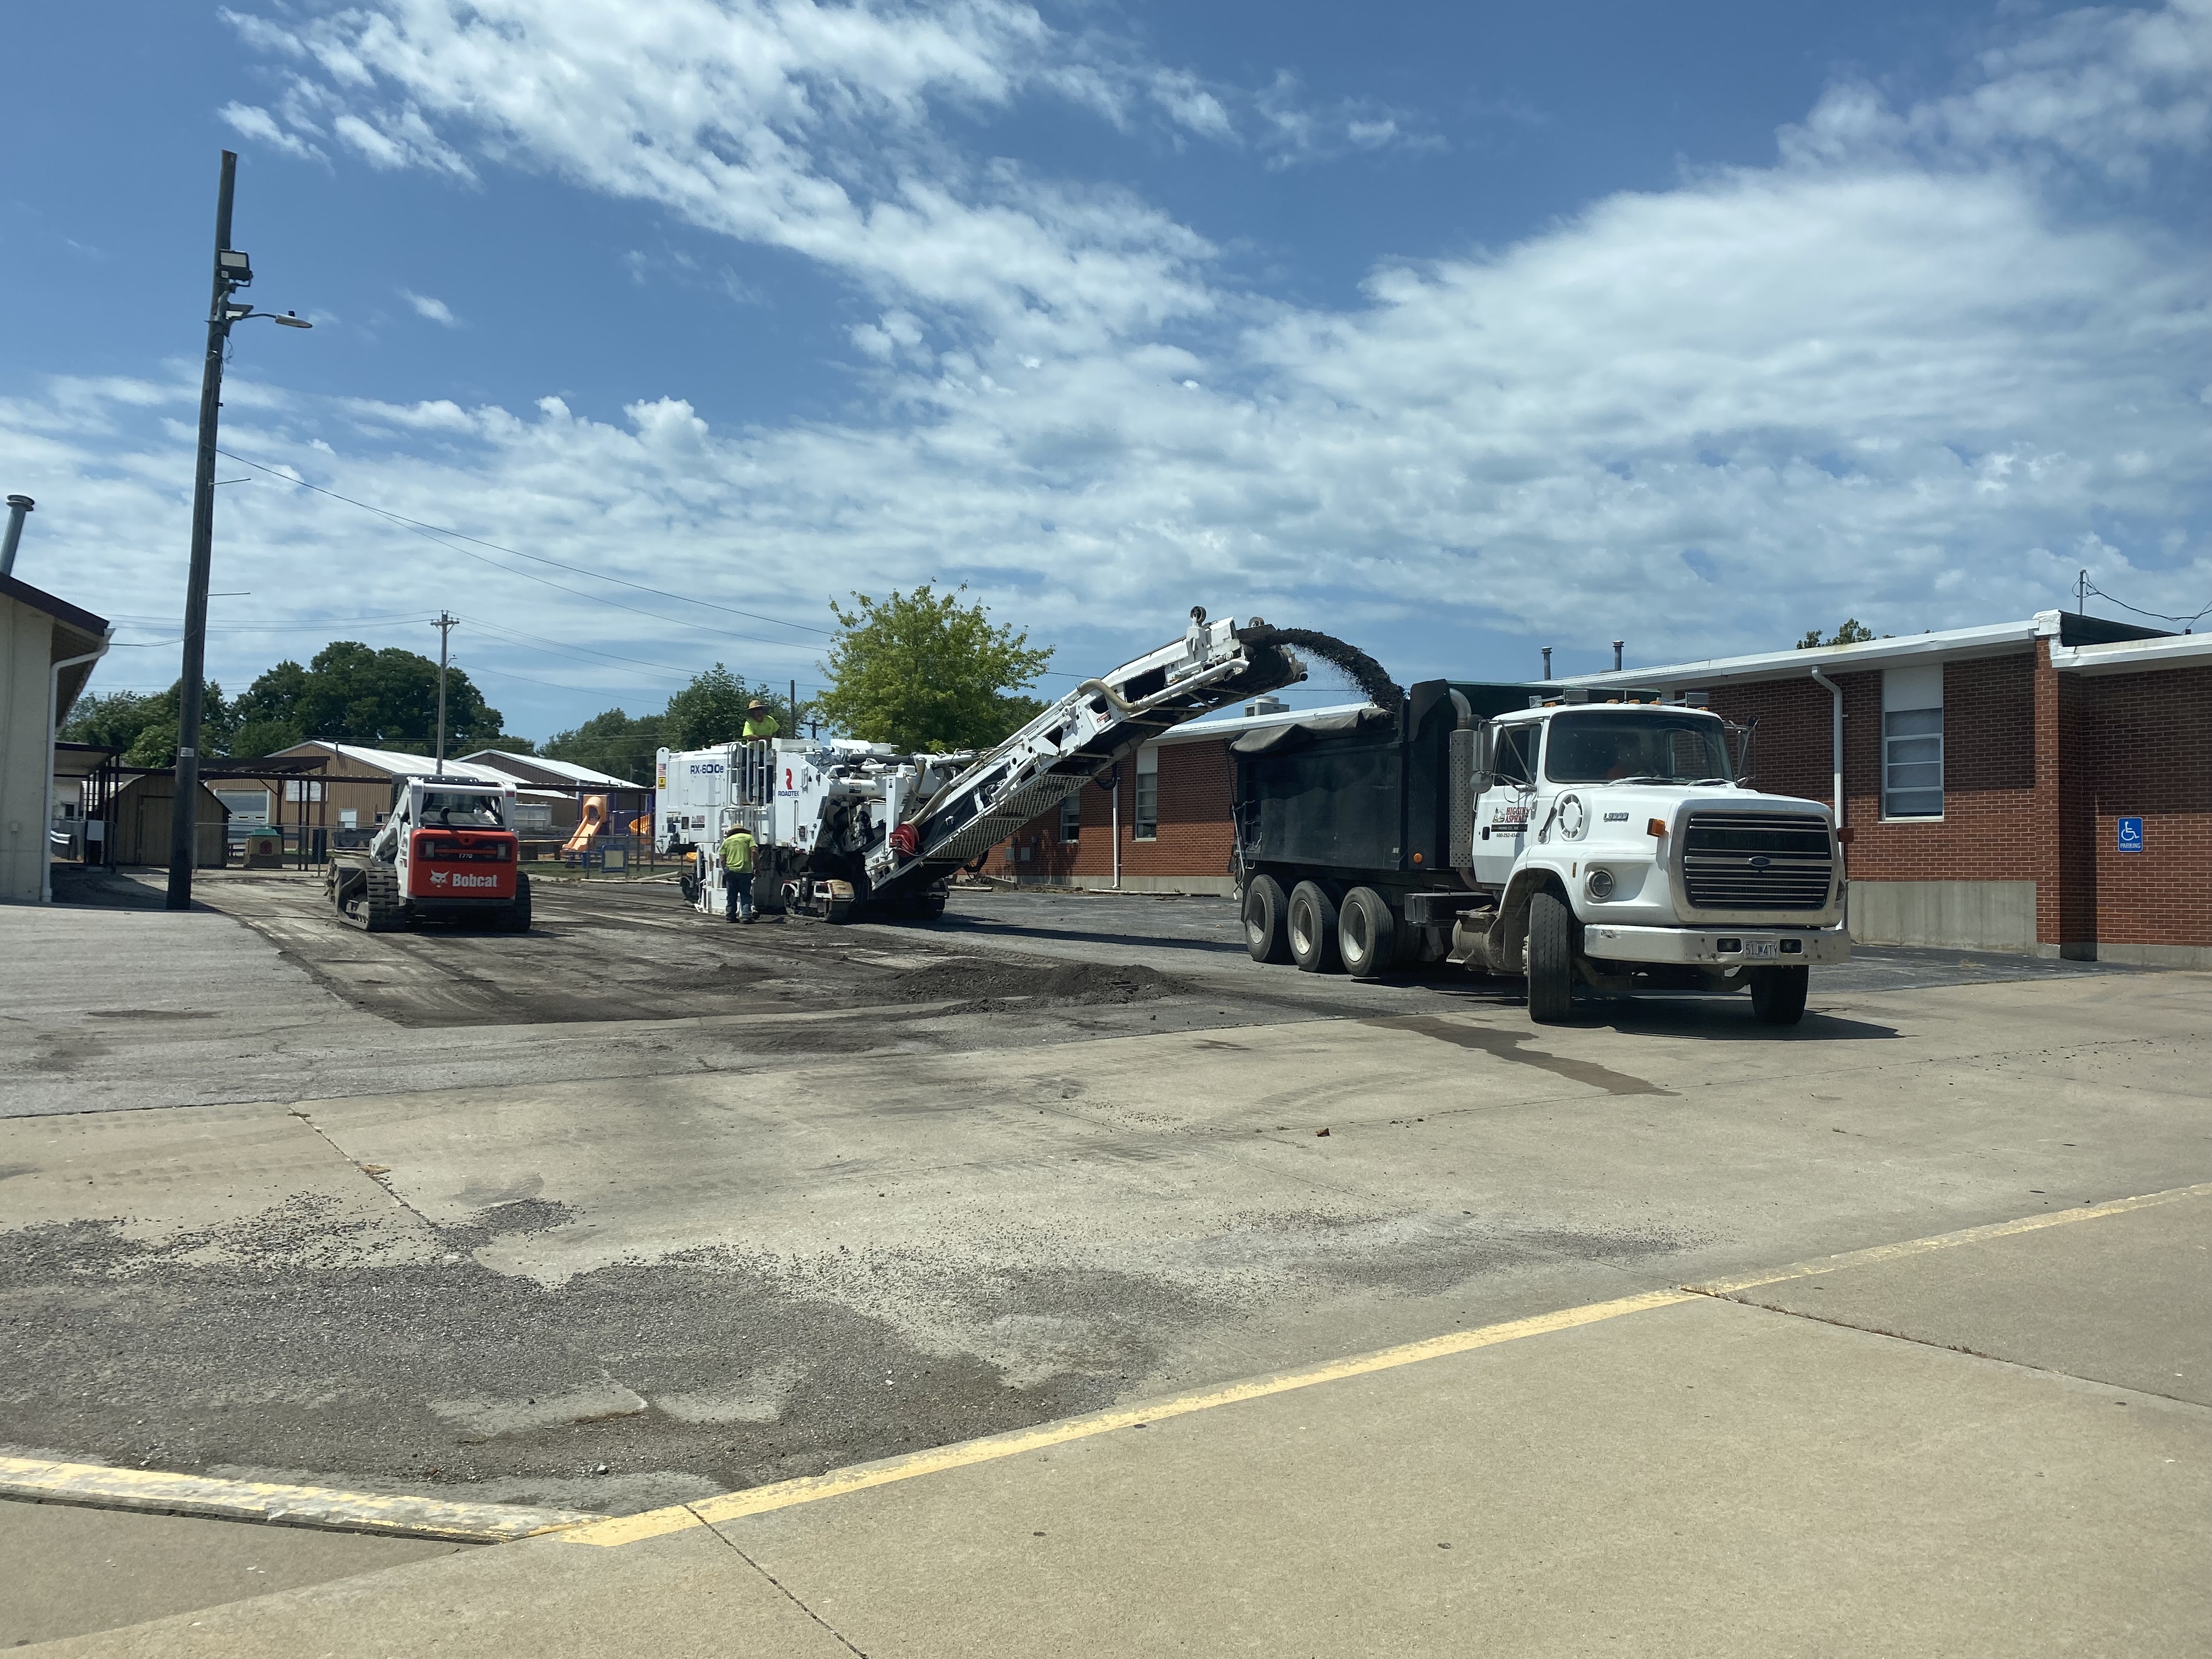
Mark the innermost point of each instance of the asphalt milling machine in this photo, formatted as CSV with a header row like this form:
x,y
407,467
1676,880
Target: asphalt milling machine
x,y
843,829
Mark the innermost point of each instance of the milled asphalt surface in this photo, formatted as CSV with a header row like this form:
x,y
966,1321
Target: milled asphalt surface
x,y
282,1199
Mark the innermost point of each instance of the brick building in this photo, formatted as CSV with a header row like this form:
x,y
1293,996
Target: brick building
x,y
2042,785
1171,812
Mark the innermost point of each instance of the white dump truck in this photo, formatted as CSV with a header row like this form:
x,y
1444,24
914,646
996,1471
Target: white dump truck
x,y
842,827
448,851
1616,845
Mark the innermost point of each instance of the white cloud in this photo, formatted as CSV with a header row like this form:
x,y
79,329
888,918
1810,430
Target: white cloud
x,y
1896,375
251,121
436,311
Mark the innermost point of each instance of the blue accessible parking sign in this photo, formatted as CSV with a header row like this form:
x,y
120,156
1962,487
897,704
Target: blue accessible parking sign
x,y
2130,835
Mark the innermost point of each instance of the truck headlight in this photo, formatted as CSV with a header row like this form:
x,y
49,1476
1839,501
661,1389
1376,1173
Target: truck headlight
x,y
1599,885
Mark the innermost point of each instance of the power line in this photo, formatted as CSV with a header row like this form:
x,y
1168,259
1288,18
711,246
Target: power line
x,y
580,570
2083,586
565,647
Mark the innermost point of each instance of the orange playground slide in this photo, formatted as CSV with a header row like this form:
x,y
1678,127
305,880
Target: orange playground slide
x,y
593,821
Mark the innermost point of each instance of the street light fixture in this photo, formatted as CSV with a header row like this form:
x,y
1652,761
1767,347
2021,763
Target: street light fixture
x,y
233,270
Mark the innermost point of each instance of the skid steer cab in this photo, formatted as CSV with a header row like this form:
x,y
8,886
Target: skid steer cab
x,y
447,852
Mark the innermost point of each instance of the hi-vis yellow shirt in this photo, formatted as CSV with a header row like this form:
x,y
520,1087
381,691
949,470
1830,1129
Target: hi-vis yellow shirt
x,y
758,730
737,853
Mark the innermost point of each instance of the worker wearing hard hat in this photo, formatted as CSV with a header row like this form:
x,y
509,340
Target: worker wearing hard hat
x,y
760,723
737,876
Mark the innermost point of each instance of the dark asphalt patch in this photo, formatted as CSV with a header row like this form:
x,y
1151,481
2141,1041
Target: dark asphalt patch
x,y
284,1343
978,979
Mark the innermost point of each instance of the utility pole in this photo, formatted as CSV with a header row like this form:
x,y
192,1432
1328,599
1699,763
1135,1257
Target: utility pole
x,y
184,820
445,626
794,708
2081,593
233,271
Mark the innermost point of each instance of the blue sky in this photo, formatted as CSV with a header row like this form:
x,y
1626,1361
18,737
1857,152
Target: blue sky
x,y
1460,330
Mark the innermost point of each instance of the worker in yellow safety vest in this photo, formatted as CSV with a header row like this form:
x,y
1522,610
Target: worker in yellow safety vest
x,y
760,723
737,876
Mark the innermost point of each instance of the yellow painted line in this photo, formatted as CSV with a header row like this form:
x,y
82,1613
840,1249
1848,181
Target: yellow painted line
x,y
756,1500
1880,1253
41,1480
784,1494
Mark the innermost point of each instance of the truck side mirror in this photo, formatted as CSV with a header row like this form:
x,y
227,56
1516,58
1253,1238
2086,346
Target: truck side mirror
x,y
1483,746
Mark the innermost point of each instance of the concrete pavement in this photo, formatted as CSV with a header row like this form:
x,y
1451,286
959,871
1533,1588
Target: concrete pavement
x,y
1705,1476
704,1280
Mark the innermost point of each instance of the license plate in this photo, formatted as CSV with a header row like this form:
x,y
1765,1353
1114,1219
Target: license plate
x,y
1758,947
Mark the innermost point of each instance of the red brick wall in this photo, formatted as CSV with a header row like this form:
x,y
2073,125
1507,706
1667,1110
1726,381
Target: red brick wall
x,y
1194,836
2141,747
1989,767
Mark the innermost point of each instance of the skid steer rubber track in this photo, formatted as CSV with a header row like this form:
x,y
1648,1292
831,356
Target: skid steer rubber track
x,y
374,906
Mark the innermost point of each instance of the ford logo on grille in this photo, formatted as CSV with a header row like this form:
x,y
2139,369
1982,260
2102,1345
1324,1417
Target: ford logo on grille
x,y
1760,863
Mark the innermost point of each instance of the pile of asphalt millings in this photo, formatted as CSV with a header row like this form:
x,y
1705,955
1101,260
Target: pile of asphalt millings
x,y
982,979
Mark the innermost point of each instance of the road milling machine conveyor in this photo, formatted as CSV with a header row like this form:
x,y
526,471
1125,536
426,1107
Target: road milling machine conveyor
x,y
842,827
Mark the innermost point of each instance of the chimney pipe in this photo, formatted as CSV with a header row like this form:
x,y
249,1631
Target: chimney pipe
x,y
1547,662
17,507
1616,644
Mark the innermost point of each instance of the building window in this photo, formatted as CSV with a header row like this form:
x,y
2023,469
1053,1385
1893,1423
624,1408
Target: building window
x,y
1912,743
1147,826
1071,818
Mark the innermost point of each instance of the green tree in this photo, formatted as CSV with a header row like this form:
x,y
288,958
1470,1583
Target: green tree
x,y
709,710
1853,632
616,742
145,727
389,699
113,721
924,672
268,712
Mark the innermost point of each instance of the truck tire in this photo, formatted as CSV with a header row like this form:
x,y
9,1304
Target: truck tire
x,y
1267,934
515,918
1777,995
1366,933
1550,959
1312,924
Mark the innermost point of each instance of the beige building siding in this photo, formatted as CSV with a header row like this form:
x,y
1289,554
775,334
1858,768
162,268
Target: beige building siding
x,y
36,631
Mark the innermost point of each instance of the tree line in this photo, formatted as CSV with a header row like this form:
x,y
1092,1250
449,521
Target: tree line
x,y
921,671
350,693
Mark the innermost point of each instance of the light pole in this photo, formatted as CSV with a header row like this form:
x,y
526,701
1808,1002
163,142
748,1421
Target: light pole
x,y
233,271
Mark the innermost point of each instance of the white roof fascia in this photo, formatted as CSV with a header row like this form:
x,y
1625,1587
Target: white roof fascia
x,y
410,766
1199,731
565,769
2133,656
1948,645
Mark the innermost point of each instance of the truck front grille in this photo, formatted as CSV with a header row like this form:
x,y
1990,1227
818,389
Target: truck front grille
x,y
1756,861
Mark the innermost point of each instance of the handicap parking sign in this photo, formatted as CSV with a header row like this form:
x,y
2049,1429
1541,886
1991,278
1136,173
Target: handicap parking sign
x,y
2131,835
